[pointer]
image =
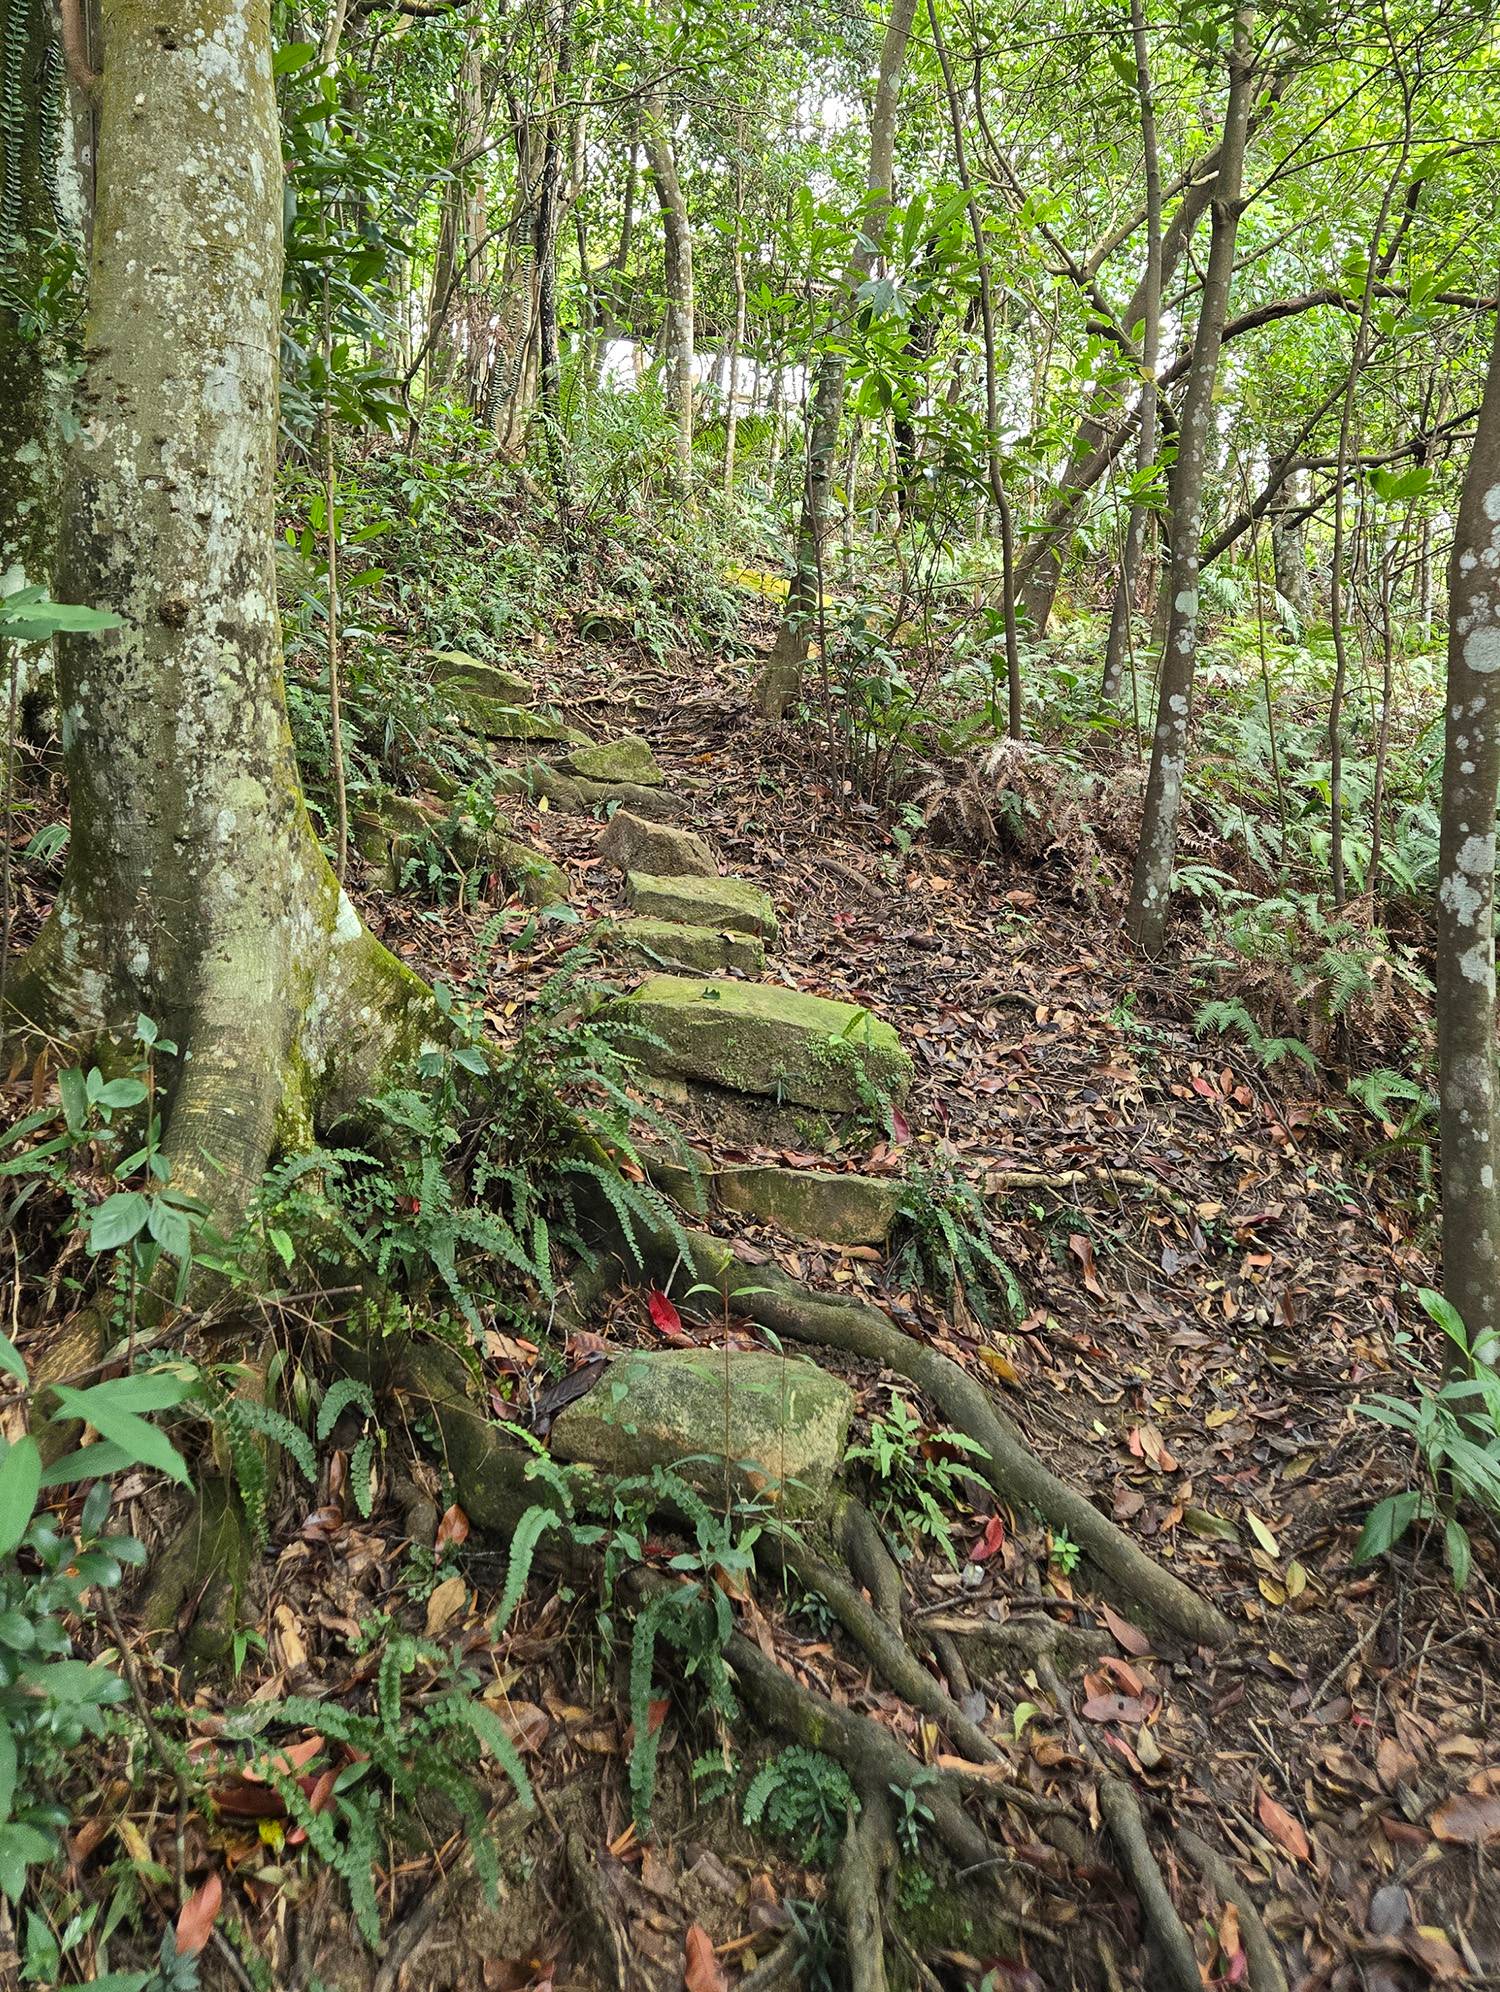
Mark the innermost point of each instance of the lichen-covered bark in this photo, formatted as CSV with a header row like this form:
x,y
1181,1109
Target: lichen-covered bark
x,y
1466,894
30,93
1151,887
677,231
195,890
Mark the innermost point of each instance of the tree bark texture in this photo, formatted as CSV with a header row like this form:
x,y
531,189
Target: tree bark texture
x,y
1151,888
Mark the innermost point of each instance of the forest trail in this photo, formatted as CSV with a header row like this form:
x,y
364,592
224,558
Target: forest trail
x,y
1209,1270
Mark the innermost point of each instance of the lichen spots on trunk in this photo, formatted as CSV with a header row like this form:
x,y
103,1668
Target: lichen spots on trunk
x,y
195,889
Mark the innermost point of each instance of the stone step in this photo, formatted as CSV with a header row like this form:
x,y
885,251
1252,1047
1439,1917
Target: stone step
x,y
818,1206
780,1422
704,902
494,719
628,759
576,795
631,844
757,1037
672,944
456,670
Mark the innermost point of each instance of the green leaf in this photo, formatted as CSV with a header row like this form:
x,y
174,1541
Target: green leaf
x,y
1388,1522
121,1093
7,1772
1441,1310
117,1220
20,1483
142,1443
170,1229
21,1847
292,56
1458,1553
11,1361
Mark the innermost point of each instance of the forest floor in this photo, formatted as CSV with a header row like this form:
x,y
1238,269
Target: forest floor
x,y
1211,1278
1212,1271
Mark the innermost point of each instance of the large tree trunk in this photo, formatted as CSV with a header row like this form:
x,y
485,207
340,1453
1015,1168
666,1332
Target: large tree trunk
x,y
1151,888
782,678
195,891
680,334
1466,896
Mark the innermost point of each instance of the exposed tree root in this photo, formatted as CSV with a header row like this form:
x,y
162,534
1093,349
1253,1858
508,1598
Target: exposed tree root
x,y
196,1583
1011,1468
1002,1182
1266,1973
1121,1811
858,1886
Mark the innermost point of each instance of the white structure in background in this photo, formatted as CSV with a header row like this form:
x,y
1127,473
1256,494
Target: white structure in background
x,y
625,361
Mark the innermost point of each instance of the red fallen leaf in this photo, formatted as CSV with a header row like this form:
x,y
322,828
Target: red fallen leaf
x,y
701,1970
1130,1637
656,1715
453,1528
1115,1708
1467,1820
900,1127
1129,1680
317,1791
1282,1827
667,1321
248,1801
288,1760
1081,1246
991,1542
196,1917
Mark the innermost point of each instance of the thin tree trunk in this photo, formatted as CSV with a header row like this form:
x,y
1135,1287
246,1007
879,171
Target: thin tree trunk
x,y
1466,895
677,233
998,491
737,337
1151,888
1139,518
1336,573
782,676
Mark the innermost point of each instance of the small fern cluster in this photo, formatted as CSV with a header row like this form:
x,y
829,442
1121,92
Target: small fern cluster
x,y
805,1799
946,1242
248,1426
400,1753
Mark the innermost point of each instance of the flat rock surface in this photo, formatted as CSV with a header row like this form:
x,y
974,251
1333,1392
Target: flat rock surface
x,y
633,845
628,759
786,1421
757,1037
704,902
707,950
824,1205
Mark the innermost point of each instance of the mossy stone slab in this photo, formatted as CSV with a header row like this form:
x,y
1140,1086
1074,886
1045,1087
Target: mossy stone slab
x,y
707,950
457,670
494,719
659,850
628,759
703,902
785,1420
756,1037
813,1204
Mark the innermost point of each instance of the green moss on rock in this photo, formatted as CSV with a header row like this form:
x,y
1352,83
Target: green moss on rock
x,y
813,1204
675,945
703,902
628,759
756,1037
785,1420
456,670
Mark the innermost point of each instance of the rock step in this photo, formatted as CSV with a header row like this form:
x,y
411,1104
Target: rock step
x,y
818,1206
628,759
780,1422
456,670
757,1037
494,719
576,795
632,844
673,944
704,902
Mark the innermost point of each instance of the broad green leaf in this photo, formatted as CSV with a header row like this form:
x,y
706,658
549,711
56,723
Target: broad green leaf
x,y
20,1483
117,1220
143,1443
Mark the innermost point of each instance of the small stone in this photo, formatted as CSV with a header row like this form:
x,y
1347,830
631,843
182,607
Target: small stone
x,y
457,670
704,902
785,1420
1389,1912
628,759
672,944
631,844
757,1037
536,878
814,1204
